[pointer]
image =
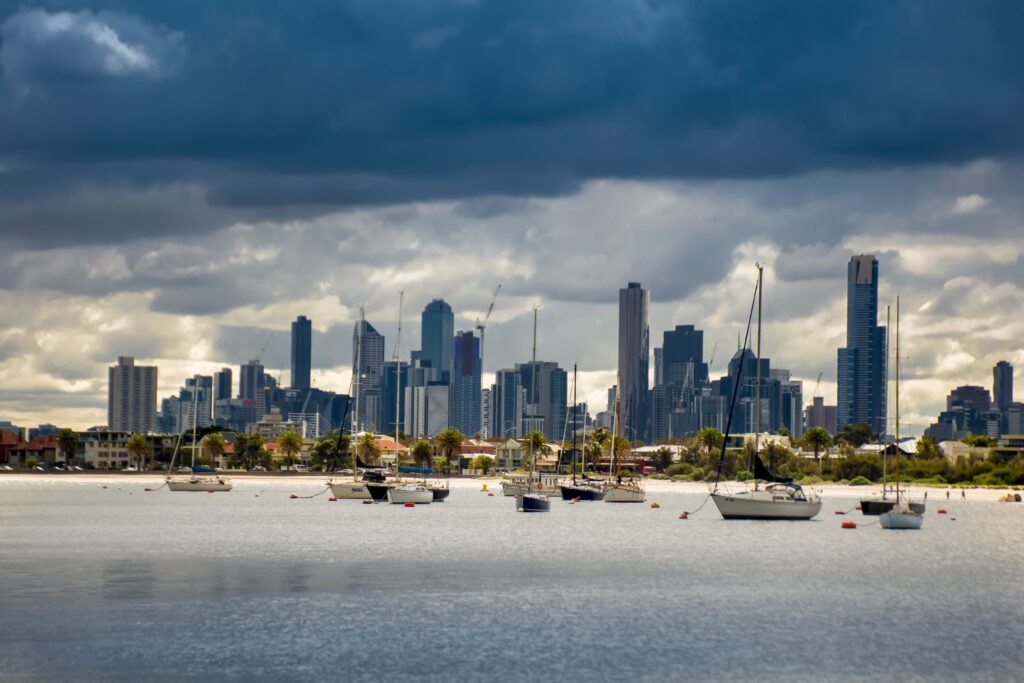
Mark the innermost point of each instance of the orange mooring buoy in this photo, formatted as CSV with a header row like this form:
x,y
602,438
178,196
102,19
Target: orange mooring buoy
x,y
840,512
491,495
858,507
331,500
293,496
484,487
942,511
410,505
849,525
367,502
684,515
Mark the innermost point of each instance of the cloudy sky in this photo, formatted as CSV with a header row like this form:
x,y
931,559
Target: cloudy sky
x,y
179,180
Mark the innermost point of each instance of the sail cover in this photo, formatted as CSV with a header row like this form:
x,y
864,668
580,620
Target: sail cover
x,y
363,466
415,470
761,472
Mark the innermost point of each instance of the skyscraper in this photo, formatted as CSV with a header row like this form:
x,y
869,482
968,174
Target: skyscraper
x,y
251,390
1002,385
368,360
436,332
507,405
682,356
395,381
464,411
634,353
131,397
302,350
861,367
545,387
222,385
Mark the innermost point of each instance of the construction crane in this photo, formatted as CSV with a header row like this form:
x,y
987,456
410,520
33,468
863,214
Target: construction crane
x,y
259,356
817,385
712,361
483,325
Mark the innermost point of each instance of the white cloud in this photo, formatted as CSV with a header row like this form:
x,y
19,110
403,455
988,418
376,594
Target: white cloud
x,y
971,203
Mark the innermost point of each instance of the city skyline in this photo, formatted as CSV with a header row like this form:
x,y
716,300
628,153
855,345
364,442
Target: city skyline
x,y
145,220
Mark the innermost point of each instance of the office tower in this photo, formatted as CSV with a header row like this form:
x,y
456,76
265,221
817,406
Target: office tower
x,y
464,411
1002,385
251,391
195,398
426,410
634,352
436,333
485,413
682,356
131,397
820,415
546,391
222,385
368,359
302,351
791,403
396,379
861,367
507,405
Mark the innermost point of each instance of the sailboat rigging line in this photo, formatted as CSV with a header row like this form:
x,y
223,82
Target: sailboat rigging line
x,y
326,489
735,390
565,428
699,506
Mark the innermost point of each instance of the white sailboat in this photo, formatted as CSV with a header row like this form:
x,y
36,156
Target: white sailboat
x,y
195,481
780,498
410,493
620,489
355,489
902,515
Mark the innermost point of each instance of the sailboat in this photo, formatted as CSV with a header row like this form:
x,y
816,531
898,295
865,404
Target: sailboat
x,y
583,488
876,505
780,498
619,489
354,490
530,500
193,481
902,515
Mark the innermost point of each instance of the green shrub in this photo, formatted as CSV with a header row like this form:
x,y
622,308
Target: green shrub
x,y
680,468
860,481
744,475
658,476
935,480
990,479
680,477
697,474
812,479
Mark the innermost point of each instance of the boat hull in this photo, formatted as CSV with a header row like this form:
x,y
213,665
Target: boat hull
x,y
745,507
198,485
356,490
900,520
512,489
378,491
439,492
622,493
582,492
876,506
532,502
419,495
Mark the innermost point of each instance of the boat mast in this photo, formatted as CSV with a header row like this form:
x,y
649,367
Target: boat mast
x,y
613,464
195,416
398,371
356,373
533,397
885,455
574,437
897,400
757,370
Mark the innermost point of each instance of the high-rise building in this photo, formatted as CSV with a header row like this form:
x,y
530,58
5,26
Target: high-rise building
x,y
302,351
507,405
222,385
485,413
426,410
131,397
546,390
634,353
396,379
861,367
683,356
252,391
464,413
1002,385
195,399
820,415
436,332
368,359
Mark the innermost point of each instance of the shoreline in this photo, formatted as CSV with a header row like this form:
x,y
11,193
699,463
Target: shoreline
x,y
653,487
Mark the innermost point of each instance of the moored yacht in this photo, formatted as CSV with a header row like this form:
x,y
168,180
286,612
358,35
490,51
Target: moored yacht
x,y
410,493
774,501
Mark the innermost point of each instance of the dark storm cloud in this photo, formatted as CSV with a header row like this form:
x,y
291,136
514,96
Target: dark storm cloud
x,y
299,108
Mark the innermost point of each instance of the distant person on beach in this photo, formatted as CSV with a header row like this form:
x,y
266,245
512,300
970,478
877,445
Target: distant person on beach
x,y
947,494
926,495
963,494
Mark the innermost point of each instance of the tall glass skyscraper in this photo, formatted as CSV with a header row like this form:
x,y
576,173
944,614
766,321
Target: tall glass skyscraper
x,y
436,332
861,369
1002,385
302,349
368,360
464,412
634,354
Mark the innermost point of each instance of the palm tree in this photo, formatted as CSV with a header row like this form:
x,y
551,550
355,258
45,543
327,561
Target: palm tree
x,y
216,444
290,444
422,453
818,439
251,446
449,443
368,449
139,447
331,451
534,444
710,439
67,441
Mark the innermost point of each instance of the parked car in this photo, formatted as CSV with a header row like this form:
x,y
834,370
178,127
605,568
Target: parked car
x,y
259,468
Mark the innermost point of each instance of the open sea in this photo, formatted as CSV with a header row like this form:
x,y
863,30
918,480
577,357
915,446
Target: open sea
x,y
119,584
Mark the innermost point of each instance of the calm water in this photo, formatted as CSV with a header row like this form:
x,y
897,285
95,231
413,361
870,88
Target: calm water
x,y
121,585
